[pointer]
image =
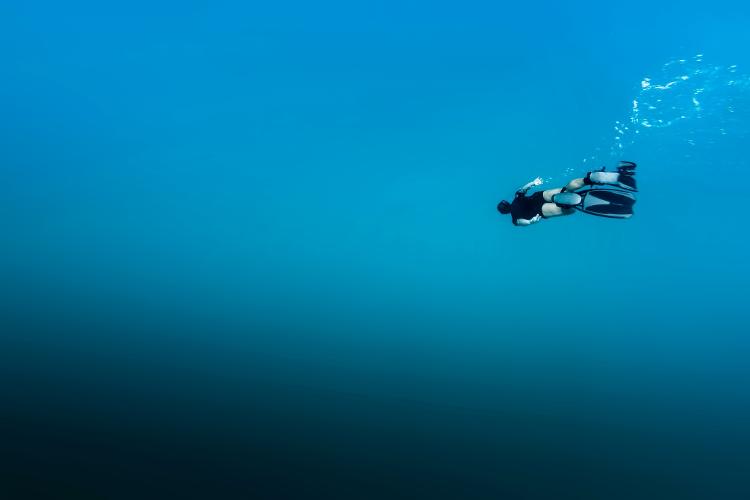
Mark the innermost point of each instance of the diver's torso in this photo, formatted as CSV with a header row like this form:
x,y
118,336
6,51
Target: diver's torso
x,y
527,207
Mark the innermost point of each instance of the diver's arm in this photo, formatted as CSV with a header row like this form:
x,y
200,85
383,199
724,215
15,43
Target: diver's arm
x,y
536,182
528,222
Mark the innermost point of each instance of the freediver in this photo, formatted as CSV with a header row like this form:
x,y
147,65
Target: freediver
x,y
606,194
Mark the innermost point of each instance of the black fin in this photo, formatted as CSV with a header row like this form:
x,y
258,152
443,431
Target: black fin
x,y
616,204
627,182
614,197
627,168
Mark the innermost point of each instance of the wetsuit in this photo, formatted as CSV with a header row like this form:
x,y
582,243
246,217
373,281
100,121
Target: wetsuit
x,y
527,207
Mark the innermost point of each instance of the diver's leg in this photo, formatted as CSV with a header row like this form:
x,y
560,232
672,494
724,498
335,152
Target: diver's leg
x,y
575,184
624,177
550,193
553,210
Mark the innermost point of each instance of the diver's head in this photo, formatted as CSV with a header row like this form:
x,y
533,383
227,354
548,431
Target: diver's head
x,y
503,207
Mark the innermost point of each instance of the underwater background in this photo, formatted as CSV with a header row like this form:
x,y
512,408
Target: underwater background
x,y
251,251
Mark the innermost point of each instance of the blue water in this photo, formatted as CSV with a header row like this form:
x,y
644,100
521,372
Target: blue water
x,y
252,251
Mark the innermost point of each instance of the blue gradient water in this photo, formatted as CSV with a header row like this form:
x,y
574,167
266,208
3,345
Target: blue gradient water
x,y
252,251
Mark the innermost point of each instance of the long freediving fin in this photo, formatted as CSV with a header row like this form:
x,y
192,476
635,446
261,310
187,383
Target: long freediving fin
x,y
627,167
617,204
626,179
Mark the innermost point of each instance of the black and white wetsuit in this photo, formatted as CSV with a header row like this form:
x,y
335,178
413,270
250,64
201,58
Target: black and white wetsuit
x,y
527,207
